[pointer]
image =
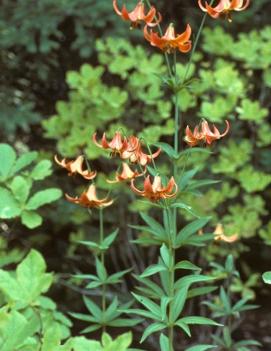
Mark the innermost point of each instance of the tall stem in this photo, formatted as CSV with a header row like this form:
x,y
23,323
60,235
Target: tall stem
x,y
196,44
101,220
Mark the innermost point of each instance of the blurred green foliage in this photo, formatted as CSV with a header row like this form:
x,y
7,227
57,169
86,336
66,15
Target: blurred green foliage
x,y
16,181
30,321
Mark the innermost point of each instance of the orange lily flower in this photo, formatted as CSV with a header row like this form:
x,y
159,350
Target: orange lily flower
x,y
138,14
126,174
117,145
204,133
169,42
134,152
155,191
224,8
219,235
76,166
89,199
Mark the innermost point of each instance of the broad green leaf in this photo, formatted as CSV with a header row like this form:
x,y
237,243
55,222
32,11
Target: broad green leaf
x,y
43,197
31,219
7,161
31,276
20,188
9,206
24,160
42,170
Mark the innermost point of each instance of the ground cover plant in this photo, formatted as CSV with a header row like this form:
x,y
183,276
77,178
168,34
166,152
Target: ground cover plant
x,y
164,138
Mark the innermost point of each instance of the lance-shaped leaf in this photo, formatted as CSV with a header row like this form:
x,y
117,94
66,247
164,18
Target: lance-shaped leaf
x,y
152,328
178,304
149,304
168,149
164,343
191,279
199,320
190,229
200,348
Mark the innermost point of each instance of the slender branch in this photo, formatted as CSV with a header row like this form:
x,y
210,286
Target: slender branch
x,y
196,44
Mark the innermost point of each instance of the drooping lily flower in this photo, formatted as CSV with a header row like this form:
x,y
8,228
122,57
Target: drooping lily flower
x,y
117,145
219,235
210,136
224,8
138,15
169,42
126,174
89,199
76,166
156,191
203,133
135,154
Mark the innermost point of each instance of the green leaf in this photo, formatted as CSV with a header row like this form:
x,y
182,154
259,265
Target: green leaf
x,y
152,328
178,304
43,197
199,320
183,326
32,277
200,348
101,271
20,188
109,240
164,343
190,229
93,308
191,279
156,227
42,170
7,161
166,256
168,149
150,305
267,277
9,207
153,269
31,219
187,265
24,160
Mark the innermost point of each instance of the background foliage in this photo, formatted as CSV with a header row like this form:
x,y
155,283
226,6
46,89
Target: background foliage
x,y
65,75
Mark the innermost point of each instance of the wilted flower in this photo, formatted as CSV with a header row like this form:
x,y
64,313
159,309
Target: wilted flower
x,y
169,42
224,8
138,14
89,199
126,174
76,166
155,191
219,235
117,145
204,133
135,154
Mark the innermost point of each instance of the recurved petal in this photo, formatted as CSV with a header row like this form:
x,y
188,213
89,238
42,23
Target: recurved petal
x,y
115,6
185,36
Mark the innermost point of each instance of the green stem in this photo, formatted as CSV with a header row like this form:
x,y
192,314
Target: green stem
x,y
101,220
196,44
